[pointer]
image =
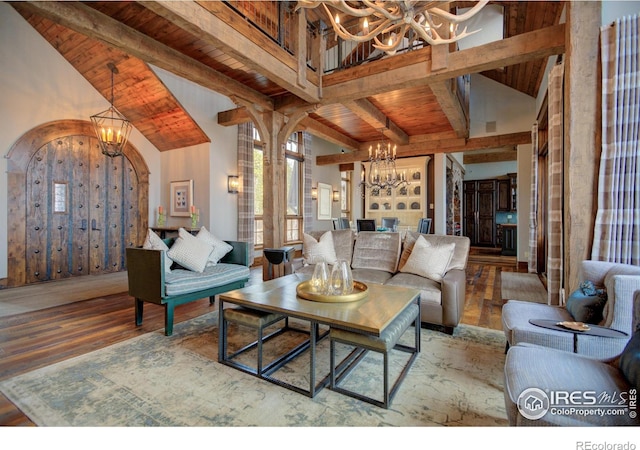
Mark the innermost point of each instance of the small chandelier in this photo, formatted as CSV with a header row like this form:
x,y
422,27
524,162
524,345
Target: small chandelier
x,y
111,127
387,22
382,169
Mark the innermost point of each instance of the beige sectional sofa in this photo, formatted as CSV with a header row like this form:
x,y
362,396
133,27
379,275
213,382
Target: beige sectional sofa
x,y
433,264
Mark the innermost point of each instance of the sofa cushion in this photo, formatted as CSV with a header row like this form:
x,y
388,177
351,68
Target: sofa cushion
x,y
610,284
182,281
376,250
371,275
220,247
153,242
586,303
430,290
190,252
342,242
315,251
460,252
630,360
428,260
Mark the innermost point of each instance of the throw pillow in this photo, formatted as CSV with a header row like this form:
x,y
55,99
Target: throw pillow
x,y
153,242
315,251
428,260
587,303
220,247
629,362
190,252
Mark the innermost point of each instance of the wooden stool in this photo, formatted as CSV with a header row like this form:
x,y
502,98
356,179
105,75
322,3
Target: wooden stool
x,y
384,343
250,318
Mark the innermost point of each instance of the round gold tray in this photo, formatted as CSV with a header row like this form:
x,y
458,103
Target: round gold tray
x,y
360,291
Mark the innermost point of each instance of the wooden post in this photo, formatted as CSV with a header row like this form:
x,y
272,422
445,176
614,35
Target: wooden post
x,y
582,135
274,192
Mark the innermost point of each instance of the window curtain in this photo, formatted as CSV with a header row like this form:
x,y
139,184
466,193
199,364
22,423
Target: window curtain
x,y
617,227
556,147
246,211
308,166
533,211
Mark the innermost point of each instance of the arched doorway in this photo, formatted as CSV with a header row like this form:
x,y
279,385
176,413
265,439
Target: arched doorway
x,y
71,210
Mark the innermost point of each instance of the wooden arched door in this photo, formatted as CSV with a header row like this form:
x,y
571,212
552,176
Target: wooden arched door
x,y
81,208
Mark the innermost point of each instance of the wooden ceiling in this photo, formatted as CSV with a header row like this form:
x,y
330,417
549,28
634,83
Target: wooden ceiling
x,y
406,96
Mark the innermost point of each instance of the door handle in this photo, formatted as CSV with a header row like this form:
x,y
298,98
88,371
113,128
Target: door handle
x,y
83,225
93,225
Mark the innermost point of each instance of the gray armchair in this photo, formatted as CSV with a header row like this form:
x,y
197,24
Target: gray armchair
x,y
550,370
620,282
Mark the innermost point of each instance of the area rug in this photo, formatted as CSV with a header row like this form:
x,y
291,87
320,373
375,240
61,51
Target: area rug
x,y
523,286
155,380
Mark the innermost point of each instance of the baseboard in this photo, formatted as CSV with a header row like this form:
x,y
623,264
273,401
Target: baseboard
x,y
523,266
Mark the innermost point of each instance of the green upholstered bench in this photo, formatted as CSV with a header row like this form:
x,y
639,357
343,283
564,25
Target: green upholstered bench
x,y
148,281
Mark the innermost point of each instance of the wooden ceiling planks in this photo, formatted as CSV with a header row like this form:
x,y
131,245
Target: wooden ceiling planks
x,y
135,86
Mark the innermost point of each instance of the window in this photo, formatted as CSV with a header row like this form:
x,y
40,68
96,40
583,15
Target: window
x,y
294,183
258,189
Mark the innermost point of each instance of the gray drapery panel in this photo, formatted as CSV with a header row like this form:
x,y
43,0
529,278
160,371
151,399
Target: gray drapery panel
x,y
308,166
617,227
533,211
246,211
556,148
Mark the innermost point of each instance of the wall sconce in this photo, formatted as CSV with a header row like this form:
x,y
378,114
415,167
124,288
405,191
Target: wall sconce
x,y
233,184
336,196
314,193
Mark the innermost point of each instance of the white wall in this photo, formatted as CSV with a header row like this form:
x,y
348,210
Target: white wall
x,y
325,174
615,9
39,86
207,164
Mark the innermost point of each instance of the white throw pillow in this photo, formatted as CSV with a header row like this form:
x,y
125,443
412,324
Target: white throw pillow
x,y
315,251
153,242
190,252
220,247
428,260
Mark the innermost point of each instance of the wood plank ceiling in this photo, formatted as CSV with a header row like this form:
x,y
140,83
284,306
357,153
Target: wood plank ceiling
x,y
416,112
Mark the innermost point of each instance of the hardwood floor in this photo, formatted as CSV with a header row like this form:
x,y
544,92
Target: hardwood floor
x,y
36,339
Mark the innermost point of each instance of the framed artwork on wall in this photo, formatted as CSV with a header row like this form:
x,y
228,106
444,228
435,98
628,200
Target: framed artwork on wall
x,y
324,201
181,198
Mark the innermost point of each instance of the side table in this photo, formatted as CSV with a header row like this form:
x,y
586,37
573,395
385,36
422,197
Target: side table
x,y
594,330
279,261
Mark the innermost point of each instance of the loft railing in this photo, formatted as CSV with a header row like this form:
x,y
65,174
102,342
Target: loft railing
x,y
277,21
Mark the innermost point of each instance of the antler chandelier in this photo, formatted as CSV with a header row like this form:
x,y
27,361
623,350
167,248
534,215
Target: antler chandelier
x,y
387,22
382,169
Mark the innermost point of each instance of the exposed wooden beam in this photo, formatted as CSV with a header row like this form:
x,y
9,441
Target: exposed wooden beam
x,y
364,109
233,117
328,134
451,106
92,23
247,46
429,147
378,77
510,154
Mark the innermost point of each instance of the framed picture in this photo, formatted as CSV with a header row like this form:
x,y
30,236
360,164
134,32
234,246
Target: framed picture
x,y
324,201
181,198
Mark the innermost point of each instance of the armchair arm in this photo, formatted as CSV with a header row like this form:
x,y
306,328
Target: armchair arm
x,y
239,254
453,288
145,272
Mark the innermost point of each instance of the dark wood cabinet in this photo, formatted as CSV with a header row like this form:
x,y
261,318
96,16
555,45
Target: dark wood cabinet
x,y
480,207
509,240
507,194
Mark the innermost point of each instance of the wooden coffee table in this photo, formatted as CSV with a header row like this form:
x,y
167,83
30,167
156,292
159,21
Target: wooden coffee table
x,y
370,315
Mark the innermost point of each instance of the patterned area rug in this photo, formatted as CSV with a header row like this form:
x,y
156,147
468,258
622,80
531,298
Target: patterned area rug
x,y
154,380
523,286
